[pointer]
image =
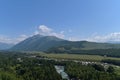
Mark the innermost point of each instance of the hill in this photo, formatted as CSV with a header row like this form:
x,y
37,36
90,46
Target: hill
x,y
48,43
37,43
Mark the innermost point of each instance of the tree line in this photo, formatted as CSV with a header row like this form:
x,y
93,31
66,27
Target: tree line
x,y
108,52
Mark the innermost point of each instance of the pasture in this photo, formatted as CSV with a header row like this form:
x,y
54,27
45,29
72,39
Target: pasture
x,y
78,57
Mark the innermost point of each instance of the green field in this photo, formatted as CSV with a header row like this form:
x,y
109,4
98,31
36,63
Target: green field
x,y
78,57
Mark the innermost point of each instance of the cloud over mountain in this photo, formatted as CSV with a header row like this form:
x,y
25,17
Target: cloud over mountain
x,y
46,31
42,30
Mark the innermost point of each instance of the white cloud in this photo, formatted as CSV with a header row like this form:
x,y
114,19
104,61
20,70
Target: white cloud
x,y
105,38
21,38
111,37
5,39
46,31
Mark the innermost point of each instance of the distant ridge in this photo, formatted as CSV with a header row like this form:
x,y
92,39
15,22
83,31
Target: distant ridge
x,y
4,46
45,43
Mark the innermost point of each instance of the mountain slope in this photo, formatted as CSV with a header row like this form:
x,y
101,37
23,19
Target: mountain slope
x,y
4,46
45,43
37,43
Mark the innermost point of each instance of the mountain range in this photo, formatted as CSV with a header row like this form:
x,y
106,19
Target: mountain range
x,y
4,46
46,43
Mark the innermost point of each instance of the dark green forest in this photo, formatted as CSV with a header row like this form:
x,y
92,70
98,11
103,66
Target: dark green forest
x,y
115,62
102,52
90,72
21,66
26,69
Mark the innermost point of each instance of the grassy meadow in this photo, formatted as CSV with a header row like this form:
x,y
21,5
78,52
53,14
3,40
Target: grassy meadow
x,y
78,57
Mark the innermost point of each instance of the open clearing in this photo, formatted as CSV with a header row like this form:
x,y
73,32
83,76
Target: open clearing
x,y
78,57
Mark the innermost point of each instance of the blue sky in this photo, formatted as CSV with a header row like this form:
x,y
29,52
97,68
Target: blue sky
x,y
92,20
